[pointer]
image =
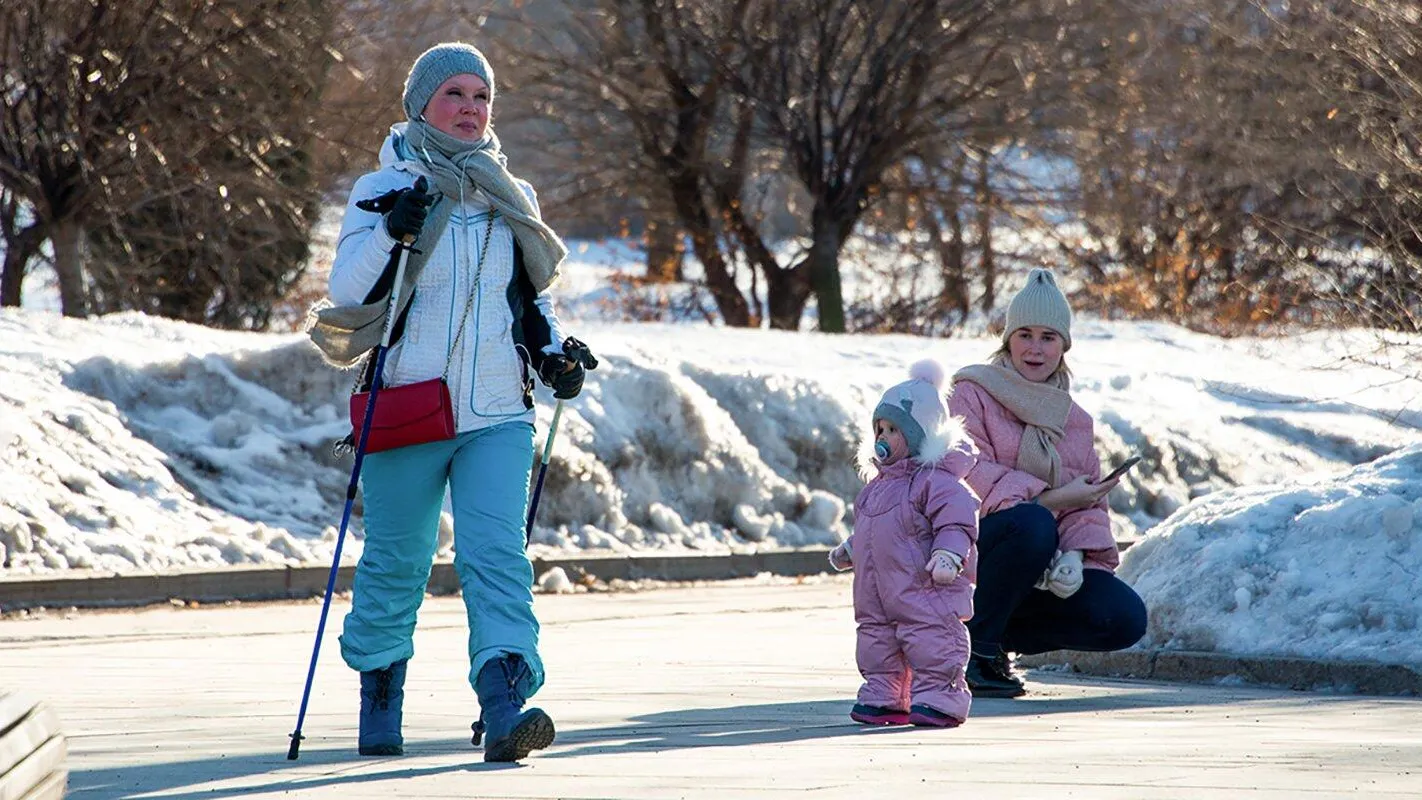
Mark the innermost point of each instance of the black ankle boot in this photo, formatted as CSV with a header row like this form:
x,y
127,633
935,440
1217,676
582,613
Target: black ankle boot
x,y
991,676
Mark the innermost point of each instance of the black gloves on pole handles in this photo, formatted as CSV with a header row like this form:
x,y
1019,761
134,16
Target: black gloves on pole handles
x,y
404,209
407,214
564,374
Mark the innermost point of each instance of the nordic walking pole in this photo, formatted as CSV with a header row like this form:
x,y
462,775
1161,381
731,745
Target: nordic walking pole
x,y
380,351
542,473
579,352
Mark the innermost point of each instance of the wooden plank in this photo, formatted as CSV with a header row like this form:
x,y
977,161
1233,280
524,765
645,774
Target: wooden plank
x,y
16,744
32,750
13,708
51,789
33,772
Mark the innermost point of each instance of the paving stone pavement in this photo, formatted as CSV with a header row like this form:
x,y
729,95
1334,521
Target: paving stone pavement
x,y
739,689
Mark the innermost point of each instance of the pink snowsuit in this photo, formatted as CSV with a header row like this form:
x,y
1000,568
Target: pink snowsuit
x,y
912,644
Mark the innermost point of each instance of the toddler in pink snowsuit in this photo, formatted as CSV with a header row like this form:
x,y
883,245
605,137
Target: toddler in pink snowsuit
x,y
914,554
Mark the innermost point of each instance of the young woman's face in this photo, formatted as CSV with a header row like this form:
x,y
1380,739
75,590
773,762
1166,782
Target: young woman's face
x,y
460,107
1036,352
888,433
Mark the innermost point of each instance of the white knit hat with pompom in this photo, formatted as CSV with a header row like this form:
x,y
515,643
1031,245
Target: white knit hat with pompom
x,y
916,405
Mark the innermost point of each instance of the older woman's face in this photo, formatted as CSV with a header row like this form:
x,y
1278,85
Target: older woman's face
x,y
460,107
1036,352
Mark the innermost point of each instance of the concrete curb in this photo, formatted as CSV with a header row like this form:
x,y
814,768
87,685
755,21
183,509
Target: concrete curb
x,y
86,589
1350,677
90,590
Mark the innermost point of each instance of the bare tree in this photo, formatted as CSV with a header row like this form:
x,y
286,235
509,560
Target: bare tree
x,y
850,88
22,238
636,109
1177,148
119,114
220,229
709,101
1366,86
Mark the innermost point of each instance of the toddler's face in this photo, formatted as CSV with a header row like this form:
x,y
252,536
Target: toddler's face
x,y
889,435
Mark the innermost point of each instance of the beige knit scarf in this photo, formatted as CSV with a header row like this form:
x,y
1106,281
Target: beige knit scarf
x,y
1042,408
346,333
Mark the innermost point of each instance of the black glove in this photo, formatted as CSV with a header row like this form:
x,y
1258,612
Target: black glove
x,y
565,373
407,215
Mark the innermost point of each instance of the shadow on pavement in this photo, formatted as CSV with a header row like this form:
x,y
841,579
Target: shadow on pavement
x,y
315,769
775,723
728,726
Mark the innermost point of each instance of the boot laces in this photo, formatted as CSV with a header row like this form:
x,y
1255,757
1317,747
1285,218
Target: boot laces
x,y
515,669
1002,666
380,697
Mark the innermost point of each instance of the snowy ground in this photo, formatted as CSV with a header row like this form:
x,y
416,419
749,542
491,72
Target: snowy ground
x,y
136,444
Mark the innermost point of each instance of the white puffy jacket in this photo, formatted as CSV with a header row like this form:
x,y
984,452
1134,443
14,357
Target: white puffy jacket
x,y
487,375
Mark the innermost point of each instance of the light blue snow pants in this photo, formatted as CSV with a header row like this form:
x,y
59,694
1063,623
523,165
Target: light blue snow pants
x,y
487,472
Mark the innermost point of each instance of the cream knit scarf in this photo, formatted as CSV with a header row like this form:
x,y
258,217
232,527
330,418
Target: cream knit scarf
x,y
1042,408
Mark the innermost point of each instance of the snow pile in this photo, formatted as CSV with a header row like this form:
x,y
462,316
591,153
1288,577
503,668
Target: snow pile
x,y
131,443
140,443
1325,567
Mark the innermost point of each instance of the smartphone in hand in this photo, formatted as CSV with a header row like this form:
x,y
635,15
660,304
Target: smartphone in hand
x,y
1120,470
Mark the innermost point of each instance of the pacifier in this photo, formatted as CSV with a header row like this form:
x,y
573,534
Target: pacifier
x,y
881,449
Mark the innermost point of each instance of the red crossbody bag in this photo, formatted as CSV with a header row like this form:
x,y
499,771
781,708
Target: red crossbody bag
x,y
416,413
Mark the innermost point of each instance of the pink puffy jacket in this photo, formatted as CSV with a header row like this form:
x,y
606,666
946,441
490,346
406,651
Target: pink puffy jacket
x,y
996,479
905,513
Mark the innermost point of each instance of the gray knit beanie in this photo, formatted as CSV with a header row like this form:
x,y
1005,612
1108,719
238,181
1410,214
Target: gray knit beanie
x,y
437,65
1040,303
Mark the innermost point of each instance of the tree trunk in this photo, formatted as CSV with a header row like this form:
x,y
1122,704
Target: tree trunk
x,y
732,304
953,296
786,292
12,279
824,271
665,249
68,240
988,260
19,251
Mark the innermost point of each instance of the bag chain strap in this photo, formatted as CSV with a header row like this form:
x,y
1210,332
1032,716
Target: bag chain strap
x,y
473,290
468,306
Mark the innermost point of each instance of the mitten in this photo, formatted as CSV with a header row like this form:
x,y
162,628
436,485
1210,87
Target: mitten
x,y
944,566
840,558
1066,575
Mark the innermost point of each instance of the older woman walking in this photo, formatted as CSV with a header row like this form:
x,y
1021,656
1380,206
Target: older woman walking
x,y
480,315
